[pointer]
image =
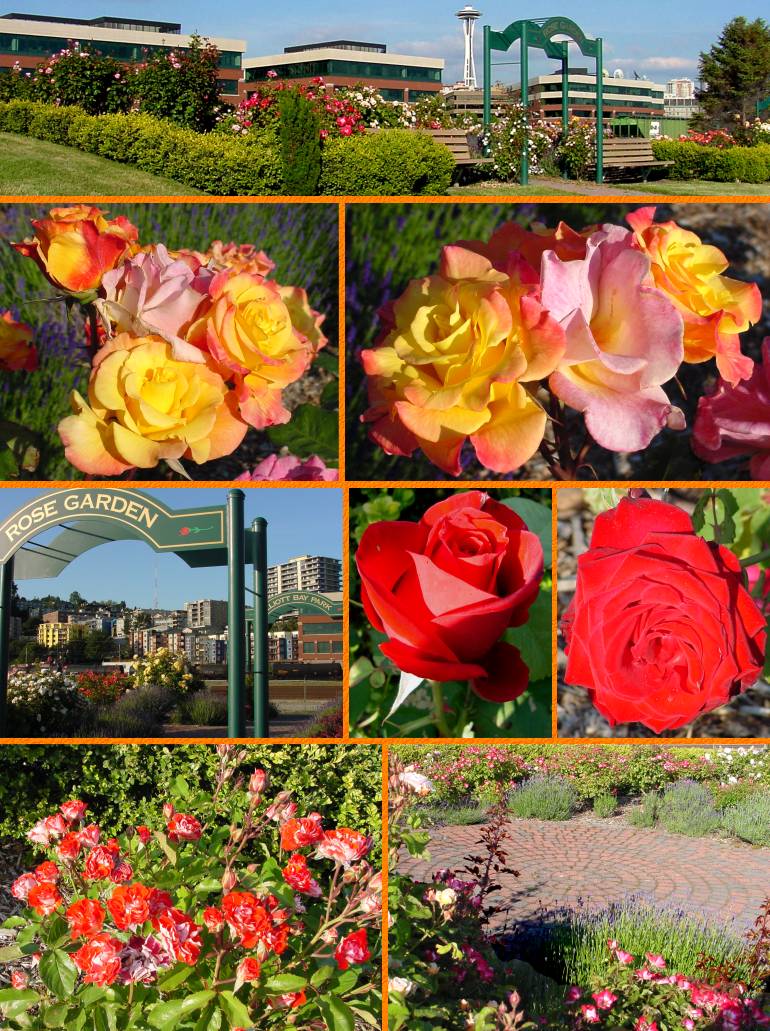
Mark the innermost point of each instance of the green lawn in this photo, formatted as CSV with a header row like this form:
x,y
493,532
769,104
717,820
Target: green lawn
x,y
30,167
659,187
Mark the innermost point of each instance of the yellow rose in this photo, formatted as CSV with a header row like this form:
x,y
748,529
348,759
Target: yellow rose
x,y
450,362
146,404
16,348
249,330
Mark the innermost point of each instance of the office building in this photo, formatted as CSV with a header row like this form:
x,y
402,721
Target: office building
x,y
679,99
50,635
283,645
315,573
623,98
320,636
28,39
206,614
343,62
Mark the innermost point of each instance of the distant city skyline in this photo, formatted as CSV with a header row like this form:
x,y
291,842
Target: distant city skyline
x,y
659,40
126,570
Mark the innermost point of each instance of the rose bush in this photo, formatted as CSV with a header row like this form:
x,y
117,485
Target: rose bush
x,y
445,589
195,923
162,669
661,627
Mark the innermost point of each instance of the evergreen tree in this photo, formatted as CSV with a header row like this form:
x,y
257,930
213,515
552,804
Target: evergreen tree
x,y
300,145
735,73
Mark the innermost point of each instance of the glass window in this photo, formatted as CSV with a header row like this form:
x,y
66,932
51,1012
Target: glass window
x,y
324,647
228,86
314,629
351,69
308,647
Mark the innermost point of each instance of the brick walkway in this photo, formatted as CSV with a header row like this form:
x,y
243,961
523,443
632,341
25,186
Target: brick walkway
x,y
602,861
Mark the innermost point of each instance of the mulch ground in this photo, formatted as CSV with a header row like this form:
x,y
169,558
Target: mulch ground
x,y
589,863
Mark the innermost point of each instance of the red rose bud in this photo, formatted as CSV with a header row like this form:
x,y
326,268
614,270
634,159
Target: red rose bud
x,y
182,827
257,782
353,948
168,811
661,628
229,880
444,591
213,919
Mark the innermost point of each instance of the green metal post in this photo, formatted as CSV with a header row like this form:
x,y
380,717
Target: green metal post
x,y
487,82
524,177
261,651
599,112
236,615
6,581
564,92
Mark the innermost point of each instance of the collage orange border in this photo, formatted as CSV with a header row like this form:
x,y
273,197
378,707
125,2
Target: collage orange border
x,y
344,485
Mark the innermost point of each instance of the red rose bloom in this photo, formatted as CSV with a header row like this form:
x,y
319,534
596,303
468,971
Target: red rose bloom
x,y
248,918
353,948
213,919
249,969
344,846
298,833
99,959
143,833
179,935
44,898
74,810
298,876
445,589
182,827
129,905
99,863
23,885
47,871
85,917
69,846
661,628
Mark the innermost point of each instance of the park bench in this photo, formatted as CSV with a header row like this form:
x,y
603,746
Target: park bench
x,y
629,157
464,147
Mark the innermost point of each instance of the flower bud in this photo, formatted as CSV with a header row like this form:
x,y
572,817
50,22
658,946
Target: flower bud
x,y
257,782
229,880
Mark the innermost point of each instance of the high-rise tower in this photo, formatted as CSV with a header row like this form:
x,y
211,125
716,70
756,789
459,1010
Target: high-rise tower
x,y
468,16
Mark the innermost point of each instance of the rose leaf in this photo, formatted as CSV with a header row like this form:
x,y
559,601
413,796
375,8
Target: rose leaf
x,y
538,520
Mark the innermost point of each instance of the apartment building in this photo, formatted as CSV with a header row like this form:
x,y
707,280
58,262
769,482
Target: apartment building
x,y
317,573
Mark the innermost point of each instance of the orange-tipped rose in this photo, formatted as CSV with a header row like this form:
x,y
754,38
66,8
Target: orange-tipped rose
x,y
249,329
16,348
75,246
146,402
715,308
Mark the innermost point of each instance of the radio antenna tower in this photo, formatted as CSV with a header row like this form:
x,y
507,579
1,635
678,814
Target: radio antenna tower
x,y
155,586
469,16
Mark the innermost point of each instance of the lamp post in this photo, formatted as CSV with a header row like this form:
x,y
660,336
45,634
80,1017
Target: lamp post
x,y
469,16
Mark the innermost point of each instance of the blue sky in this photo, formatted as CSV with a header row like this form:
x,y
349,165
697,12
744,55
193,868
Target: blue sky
x,y
656,38
301,521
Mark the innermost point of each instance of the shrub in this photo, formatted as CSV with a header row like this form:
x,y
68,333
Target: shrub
x,y
391,162
121,781
749,820
300,144
605,805
181,85
76,75
688,808
193,915
100,688
734,164
327,722
505,141
162,669
726,795
544,798
646,814
42,702
207,162
202,708
151,703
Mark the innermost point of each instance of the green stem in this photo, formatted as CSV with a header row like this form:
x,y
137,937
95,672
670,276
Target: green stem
x,y
438,705
753,559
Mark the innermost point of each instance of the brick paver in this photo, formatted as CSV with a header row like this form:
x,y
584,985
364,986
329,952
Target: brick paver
x,y
595,862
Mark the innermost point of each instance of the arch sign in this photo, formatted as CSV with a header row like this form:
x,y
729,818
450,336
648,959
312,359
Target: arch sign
x,y
202,537
540,35
305,602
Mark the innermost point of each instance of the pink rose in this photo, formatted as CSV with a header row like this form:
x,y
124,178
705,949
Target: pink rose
x,y
288,467
735,421
155,293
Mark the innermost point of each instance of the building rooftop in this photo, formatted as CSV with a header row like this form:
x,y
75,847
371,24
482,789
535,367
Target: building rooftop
x,y
104,21
338,44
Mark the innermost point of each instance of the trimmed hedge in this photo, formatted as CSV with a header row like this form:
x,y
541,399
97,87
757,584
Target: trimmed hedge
x,y
389,163
393,162
733,164
126,784
213,163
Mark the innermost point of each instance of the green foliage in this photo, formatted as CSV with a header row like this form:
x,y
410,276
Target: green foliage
x,y
646,814
749,819
544,798
605,805
734,164
688,808
391,162
210,162
300,137
122,783
203,709
77,75
735,73
311,431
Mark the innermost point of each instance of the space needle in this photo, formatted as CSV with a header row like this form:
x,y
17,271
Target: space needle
x,y
468,16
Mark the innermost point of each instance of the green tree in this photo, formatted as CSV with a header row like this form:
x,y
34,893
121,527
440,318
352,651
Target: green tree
x,y
300,144
735,73
97,645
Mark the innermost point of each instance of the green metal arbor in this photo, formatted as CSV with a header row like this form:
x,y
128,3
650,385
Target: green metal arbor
x,y
213,536
539,34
